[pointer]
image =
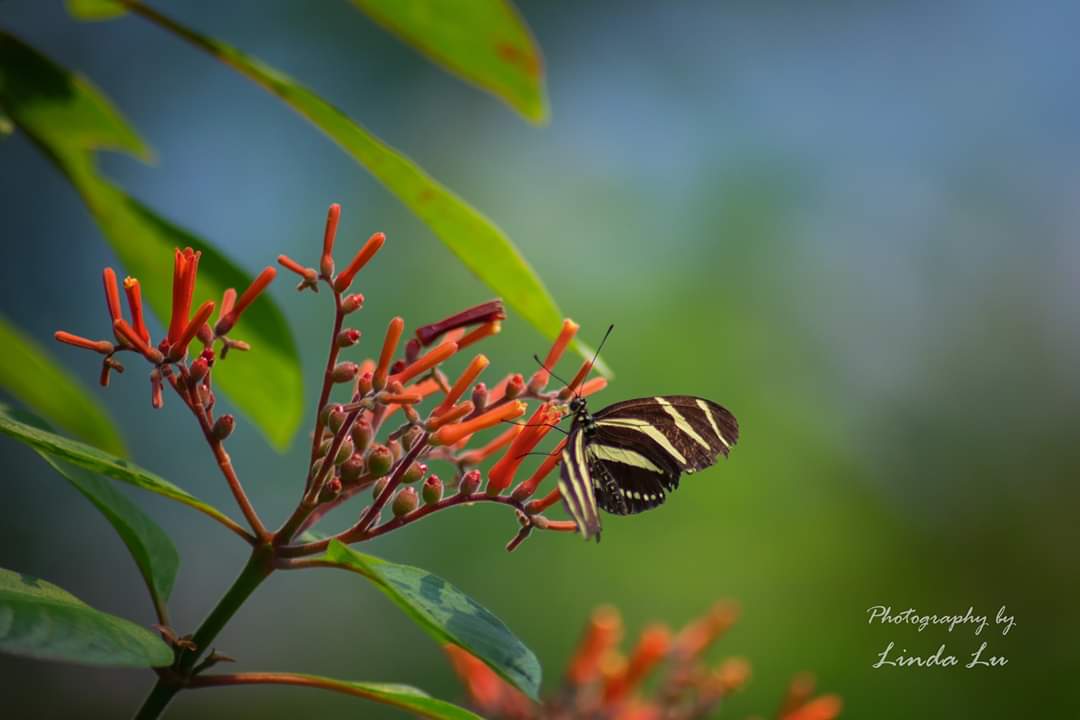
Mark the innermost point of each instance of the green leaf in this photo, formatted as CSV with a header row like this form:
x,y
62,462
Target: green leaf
x,y
484,41
6,126
447,614
153,551
478,243
40,620
68,118
94,9
31,376
97,461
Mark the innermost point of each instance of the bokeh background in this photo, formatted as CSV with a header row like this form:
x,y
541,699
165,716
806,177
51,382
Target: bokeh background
x,y
855,225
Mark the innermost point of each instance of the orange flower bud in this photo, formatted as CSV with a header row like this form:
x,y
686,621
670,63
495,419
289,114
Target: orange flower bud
x,y
458,389
134,298
326,262
539,506
112,295
179,347
352,303
450,434
428,361
593,386
101,346
651,648
474,336
527,488
405,501
362,257
228,320
185,268
390,342
128,334
569,330
450,416
826,707
475,457
601,636
502,473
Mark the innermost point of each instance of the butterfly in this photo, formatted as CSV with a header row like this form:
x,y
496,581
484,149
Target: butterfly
x,y
625,458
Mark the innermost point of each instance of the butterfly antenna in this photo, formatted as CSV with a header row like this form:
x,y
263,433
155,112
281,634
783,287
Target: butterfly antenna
x,y
592,363
549,370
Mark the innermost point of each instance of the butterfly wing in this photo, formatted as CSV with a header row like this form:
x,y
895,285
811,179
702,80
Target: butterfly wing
x,y
576,485
675,431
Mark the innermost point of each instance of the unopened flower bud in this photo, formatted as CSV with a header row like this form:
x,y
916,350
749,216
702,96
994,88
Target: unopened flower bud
x,y
470,482
361,434
408,440
514,386
395,449
345,451
364,383
324,446
397,367
352,303
379,460
348,337
333,487
379,487
223,426
405,501
157,391
412,350
432,490
198,371
316,468
480,397
344,372
413,473
336,418
352,469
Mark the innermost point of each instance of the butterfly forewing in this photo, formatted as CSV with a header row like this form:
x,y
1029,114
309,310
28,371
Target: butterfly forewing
x,y
635,451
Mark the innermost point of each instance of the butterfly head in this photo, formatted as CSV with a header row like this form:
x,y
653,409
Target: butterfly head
x,y
578,405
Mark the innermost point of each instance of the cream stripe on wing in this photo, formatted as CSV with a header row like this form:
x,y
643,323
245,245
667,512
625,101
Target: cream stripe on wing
x,y
624,456
681,423
644,427
712,421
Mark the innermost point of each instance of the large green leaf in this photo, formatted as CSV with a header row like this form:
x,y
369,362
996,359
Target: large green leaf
x,y
68,119
401,696
483,41
447,614
153,551
41,620
102,463
477,242
30,375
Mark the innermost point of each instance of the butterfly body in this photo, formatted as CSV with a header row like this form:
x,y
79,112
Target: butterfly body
x,y
627,457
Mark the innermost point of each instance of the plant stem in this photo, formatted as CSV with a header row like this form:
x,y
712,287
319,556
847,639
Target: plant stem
x,y
258,568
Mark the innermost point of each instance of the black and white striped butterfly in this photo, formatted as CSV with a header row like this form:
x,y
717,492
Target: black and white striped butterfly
x,y
628,456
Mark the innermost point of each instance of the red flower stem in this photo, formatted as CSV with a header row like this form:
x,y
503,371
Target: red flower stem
x,y
327,386
355,534
281,678
262,535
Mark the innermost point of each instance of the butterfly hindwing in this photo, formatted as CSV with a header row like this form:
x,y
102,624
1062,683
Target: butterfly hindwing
x,y
576,485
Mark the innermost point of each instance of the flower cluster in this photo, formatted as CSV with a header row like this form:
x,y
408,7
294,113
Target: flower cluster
x,y
601,683
374,436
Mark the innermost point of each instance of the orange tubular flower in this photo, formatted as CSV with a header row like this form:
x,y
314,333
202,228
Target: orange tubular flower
x,y
326,262
390,342
527,488
134,298
540,378
112,295
492,695
185,268
178,348
450,416
475,457
345,278
128,334
402,398
593,386
533,431
101,346
826,707
697,636
651,649
475,336
582,372
539,506
471,373
425,363
602,634
228,319
450,434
